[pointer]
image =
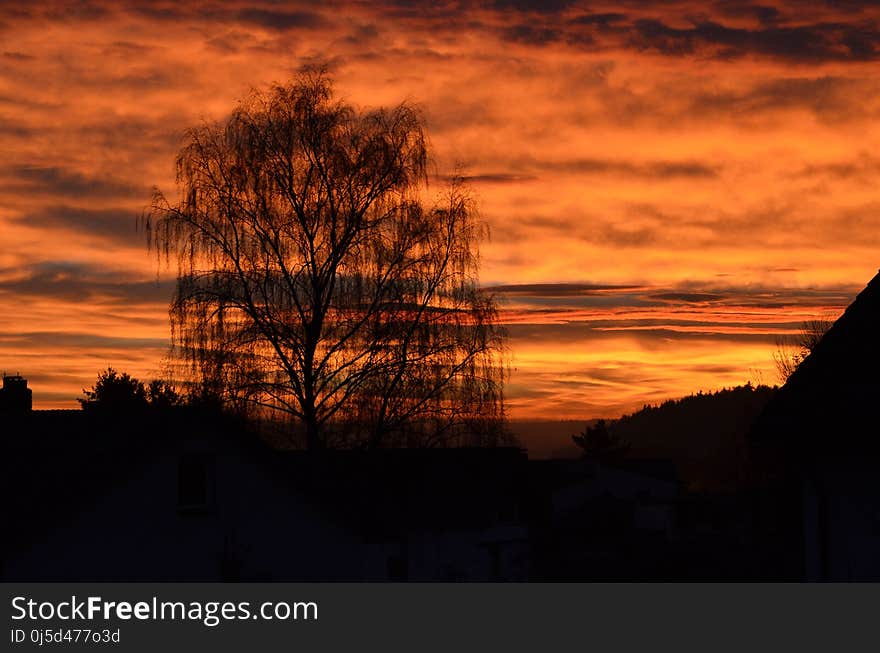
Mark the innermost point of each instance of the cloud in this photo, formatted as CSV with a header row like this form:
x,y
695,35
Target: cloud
x,y
830,98
119,225
707,299
82,341
16,129
862,168
532,35
281,20
716,32
557,289
18,56
645,170
794,44
491,178
229,43
602,20
58,182
536,6
688,297
735,9
78,282
264,15
786,222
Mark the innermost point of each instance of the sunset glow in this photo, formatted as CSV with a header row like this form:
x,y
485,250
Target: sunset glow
x,y
670,186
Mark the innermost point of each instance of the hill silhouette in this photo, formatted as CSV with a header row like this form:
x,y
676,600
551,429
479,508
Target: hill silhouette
x,y
704,434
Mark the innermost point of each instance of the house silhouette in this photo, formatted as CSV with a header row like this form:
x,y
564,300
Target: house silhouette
x,y
191,494
15,396
818,440
186,494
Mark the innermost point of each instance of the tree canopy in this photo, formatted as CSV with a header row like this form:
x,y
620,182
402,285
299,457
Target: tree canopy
x,y
599,443
120,392
317,282
791,351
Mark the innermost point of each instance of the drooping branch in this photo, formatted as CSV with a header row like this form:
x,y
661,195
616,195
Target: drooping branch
x,y
314,281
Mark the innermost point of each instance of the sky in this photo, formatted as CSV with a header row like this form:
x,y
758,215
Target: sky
x,y
670,186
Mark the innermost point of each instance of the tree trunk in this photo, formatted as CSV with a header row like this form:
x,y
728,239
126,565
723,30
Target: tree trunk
x,y
313,438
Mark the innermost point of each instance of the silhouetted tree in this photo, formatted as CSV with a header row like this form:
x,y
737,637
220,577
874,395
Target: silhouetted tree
x,y
315,281
599,443
114,390
704,434
121,392
791,352
161,394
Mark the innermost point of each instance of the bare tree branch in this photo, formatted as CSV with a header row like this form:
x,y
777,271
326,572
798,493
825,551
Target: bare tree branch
x,y
315,281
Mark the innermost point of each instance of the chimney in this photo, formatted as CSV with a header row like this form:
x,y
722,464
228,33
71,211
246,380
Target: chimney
x,y
15,396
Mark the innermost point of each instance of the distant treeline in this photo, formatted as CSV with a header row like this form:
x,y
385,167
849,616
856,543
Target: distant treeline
x,y
704,434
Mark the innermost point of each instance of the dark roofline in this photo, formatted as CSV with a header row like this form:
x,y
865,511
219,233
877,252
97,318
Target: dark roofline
x,y
809,391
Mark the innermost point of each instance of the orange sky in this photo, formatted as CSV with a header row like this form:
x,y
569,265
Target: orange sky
x,y
670,186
